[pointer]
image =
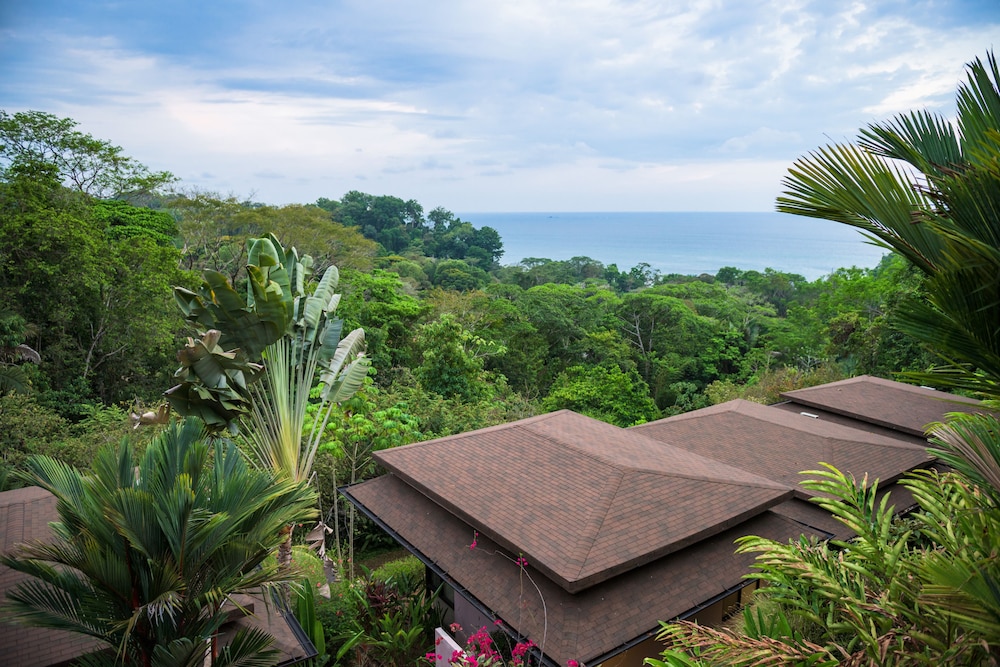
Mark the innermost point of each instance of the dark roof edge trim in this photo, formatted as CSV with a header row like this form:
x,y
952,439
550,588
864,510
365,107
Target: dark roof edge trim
x,y
300,634
428,562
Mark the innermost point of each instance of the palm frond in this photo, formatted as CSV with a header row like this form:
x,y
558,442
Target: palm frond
x,y
926,141
147,560
970,444
979,102
251,647
849,185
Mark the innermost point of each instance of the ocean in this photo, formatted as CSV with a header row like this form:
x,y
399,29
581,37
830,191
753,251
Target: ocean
x,y
685,243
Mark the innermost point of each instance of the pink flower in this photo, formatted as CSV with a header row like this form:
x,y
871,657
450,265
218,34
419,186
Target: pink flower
x,y
521,561
475,539
455,627
572,663
498,622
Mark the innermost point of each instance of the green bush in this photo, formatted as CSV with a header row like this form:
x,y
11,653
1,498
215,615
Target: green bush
x,y
310,563
26,428
406,573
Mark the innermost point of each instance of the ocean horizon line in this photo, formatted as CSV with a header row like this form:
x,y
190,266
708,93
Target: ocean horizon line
x,y
685,243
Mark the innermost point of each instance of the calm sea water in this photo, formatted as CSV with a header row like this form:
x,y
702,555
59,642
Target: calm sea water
x,y
685,243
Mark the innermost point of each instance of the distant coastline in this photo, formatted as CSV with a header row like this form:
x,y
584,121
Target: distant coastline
x,y
685,243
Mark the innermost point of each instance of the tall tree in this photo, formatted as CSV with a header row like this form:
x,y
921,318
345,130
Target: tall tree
x,y
92,280
92,166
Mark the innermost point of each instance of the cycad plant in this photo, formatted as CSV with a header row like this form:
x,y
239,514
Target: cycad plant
x,y
259,357
145,557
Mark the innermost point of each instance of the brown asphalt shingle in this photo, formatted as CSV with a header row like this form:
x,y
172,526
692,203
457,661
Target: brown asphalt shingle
x,y
894,405
582,500
780,445
585,625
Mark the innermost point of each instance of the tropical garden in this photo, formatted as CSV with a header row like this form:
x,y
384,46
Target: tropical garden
x,y
248,358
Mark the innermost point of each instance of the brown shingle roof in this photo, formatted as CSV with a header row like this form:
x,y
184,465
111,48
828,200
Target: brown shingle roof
x,y
581,499
780,445
576,495
586,625
894,405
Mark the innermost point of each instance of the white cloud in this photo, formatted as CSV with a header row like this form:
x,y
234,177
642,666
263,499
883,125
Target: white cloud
x,y
560,104
763,136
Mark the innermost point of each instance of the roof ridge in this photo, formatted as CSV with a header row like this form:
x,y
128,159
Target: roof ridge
x,y
786,418
620,466
768,483
596,521
583,452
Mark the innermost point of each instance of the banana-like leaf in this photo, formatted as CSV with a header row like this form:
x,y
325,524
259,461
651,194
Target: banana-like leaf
x,y
268,302
348,381
218,306
347,349
213,383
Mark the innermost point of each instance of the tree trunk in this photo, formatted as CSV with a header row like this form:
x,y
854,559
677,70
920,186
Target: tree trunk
x,y
285,558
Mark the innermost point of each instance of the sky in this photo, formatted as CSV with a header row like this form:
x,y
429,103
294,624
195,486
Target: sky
x,y
515,105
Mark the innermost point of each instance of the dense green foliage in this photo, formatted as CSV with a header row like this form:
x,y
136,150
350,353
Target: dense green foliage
x,y
458,340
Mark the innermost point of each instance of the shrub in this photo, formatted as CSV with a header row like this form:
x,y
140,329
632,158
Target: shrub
x,y
406,573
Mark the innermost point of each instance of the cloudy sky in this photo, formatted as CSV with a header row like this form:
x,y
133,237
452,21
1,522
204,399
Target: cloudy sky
x,y
514,105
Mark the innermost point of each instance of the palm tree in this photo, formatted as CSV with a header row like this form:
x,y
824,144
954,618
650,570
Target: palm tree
x,y
144,558
930,190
